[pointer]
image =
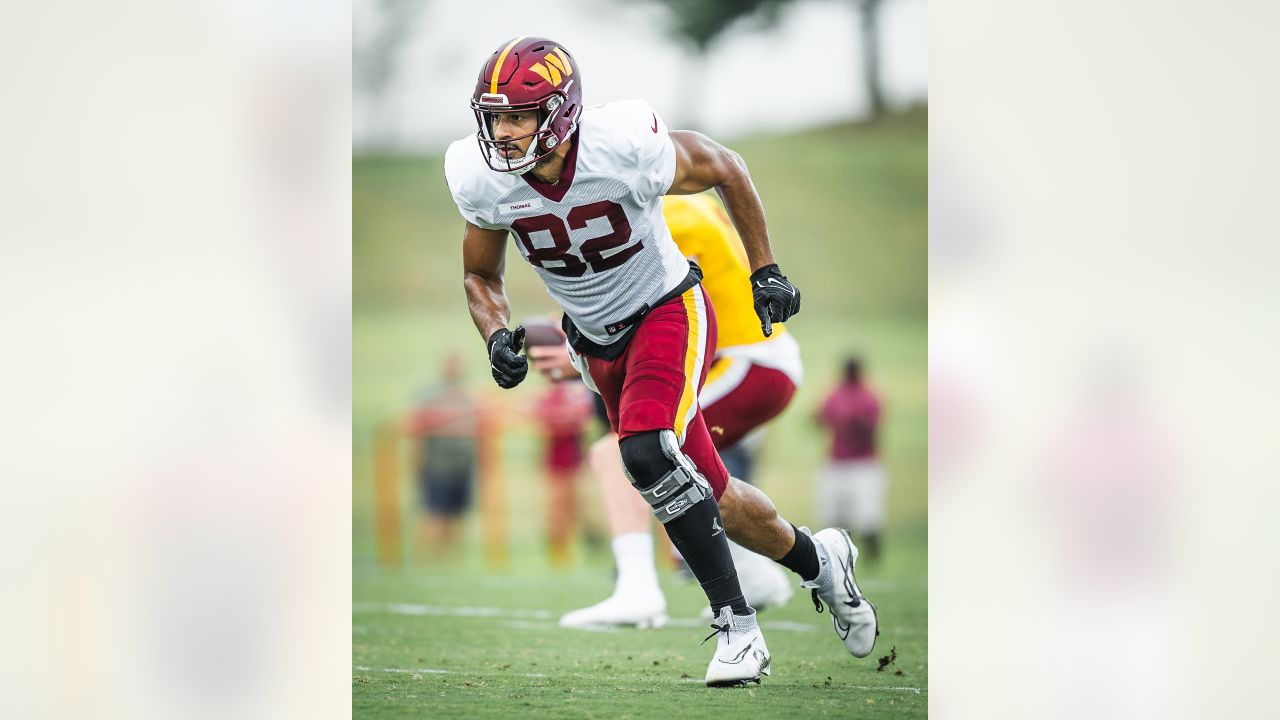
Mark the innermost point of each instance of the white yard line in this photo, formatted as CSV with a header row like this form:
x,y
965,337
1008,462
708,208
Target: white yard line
x,y
888,689
519,618
437,671
449,610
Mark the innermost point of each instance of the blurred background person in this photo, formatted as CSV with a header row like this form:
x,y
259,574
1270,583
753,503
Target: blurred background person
x,y
853,486
563,411
444,426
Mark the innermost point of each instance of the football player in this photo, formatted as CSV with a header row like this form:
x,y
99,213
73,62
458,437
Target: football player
x,y
751,381
580,189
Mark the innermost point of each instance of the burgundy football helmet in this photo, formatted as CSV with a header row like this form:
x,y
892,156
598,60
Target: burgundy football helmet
x,y
527,73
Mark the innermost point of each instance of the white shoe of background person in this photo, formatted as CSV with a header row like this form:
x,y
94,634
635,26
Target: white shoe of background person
x,y
632,609
741,654
764,584
637,598
852,614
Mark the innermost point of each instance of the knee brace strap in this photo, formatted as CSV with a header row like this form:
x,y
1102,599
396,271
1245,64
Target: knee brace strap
x,y
674,494
678,489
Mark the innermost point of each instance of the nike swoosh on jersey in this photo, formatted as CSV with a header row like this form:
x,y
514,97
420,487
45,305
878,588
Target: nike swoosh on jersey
x,y
655,124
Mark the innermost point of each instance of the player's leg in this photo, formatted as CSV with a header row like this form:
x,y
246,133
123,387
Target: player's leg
x,y
739,398
684,502
824,563
637,598
657,416
655,413
742,396
752,521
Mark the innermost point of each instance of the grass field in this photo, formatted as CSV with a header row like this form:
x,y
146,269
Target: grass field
x,y
847,210
425,644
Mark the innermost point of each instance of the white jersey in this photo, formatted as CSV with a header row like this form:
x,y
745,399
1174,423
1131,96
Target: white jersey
x,y
597,237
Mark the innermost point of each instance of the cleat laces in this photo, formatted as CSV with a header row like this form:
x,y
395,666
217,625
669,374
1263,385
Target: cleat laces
x,y
718,629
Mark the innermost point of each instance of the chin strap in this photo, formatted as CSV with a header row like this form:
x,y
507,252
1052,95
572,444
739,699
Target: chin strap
x,y
520,170
523,170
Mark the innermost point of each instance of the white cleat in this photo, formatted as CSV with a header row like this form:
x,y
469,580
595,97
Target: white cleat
x,y
641,610
741,655
852,614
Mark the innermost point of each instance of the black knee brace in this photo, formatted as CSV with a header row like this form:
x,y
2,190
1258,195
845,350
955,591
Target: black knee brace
x,y
664,475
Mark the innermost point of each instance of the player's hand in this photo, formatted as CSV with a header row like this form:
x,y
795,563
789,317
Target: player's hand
x,y
509,368
552,361
776,299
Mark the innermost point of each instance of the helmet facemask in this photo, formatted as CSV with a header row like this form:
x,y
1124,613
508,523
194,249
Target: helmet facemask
x,y
544,140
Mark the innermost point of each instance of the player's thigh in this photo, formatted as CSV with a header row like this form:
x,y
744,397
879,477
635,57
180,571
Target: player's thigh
x,y
665,365
608,377
740,396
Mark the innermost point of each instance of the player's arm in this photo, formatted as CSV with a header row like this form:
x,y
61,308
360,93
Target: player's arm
x,y
483,261
703,164
484,255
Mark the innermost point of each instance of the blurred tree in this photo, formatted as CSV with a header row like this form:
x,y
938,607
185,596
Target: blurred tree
x,y
699,22
376,58
869,12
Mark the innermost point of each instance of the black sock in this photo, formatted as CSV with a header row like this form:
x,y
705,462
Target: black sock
x,y
697,536
802,558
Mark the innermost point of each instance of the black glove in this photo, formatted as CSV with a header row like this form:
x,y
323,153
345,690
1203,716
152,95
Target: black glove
x,y
509,367
775,297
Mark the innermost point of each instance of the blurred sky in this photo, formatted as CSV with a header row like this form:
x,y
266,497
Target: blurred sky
x,y
803,72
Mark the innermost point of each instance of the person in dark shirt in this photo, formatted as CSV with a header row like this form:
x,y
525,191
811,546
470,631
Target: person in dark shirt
x,y
443,426
852,486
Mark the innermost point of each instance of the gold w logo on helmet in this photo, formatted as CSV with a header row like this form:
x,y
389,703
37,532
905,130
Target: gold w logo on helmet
x,y
556,67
